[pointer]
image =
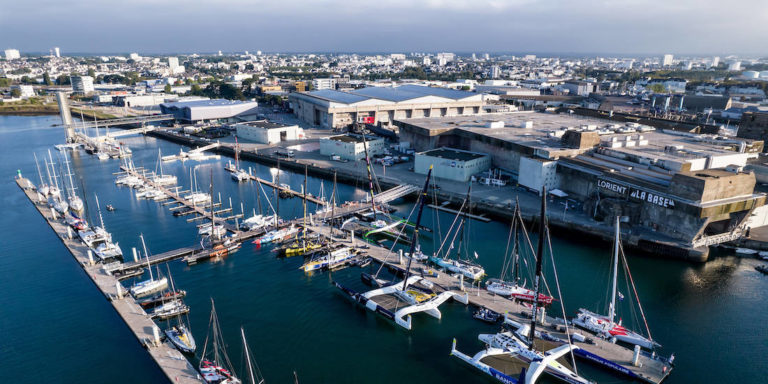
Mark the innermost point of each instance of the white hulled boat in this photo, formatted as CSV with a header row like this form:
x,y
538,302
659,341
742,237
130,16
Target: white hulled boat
x,y
148,287
468,269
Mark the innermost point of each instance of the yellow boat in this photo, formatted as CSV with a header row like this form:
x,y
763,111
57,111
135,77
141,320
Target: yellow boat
x,y
297,249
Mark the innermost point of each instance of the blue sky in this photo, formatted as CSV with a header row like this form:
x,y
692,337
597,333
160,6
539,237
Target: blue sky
x,y
552,26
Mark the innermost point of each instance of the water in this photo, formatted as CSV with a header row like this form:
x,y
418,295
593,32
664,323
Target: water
x,y
56,325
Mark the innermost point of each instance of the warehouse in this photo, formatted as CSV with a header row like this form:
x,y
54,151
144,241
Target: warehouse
x,y
265,132
351,147
381,105
207,110
451,164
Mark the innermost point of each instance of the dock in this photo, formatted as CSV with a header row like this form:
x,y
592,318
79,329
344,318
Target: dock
x,y
604,353
172,362
282,189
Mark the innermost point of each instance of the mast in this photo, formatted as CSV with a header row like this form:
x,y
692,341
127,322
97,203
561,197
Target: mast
x,y
69,174
146,254
277,194
258,195
53,170
612,307
98,209
415,238
248,358
333,202
47,171
370,176
237,157
213,218
304,219
539,257
40,175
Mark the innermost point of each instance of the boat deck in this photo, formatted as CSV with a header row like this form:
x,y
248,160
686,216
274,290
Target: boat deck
x,y
175,366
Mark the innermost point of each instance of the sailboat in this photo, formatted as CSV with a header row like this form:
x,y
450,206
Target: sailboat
x,y
514,289
148,287
606,325
519,345
42,188
76,205
304,246
418,298
56,201
215,366
254,373
466,268
105,249
237,173
162,178
331,259
179,334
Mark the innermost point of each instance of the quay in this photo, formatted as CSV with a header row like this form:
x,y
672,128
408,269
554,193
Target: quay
x,y
602,352
172,362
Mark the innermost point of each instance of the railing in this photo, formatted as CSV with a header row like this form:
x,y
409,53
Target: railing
x,y
718,239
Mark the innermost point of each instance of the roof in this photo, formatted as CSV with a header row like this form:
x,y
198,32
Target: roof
x,y
393,94
352,138
453,154
264,124
204,103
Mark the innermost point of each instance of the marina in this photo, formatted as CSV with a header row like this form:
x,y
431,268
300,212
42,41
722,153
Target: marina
x,y
452,323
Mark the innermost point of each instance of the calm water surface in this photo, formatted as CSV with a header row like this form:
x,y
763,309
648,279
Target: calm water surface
x,y
57,327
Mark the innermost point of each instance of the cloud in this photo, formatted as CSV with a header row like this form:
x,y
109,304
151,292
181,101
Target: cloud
x,y
576,26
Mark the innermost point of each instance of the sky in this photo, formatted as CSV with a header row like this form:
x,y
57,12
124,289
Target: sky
x,y
692,27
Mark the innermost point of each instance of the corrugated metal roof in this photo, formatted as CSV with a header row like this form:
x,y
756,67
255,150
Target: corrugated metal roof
x,y
440,92
205,103
338,96
391,94
397,94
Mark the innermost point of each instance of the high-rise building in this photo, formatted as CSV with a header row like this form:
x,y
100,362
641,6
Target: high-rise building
x,y
716,61
495,72
11,54
667,59
57,51
734,66
487,56
134,56
447,56
81,84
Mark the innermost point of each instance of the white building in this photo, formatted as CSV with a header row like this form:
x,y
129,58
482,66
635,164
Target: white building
x,y
264,132
495,72
350,147
734,66
452,164
27,91
716,61
536,173
326,83
667,60
397,56
11,54
81,84
174,67
134,56
57,51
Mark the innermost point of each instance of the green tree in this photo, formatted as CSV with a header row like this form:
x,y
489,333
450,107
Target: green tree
x,y
15,92
27,80
63,80
47,79
655,87
5,82
167,88
91,72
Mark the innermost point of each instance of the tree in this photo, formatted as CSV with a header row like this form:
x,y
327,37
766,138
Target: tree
x,y
91,72
63,80
656,87
27,80
465,88
5,82
16,92
167,88
47,79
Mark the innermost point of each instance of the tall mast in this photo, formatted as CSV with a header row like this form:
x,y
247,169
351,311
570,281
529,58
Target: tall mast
x,y
539,257
53,170
415,238
370,176
333,202
277,194
146,254
258,195
98,209
47,171
612,307
40,175
248,358
69,174
304,219
213,218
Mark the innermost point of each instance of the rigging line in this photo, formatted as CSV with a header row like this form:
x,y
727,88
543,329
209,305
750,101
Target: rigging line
x,y
450,229
504,265
560,295
634,289
394,243
524,230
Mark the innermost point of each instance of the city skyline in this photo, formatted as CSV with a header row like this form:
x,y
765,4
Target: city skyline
x,y
525,26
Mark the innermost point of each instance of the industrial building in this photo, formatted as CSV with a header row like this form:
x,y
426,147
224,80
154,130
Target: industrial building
x,y
689,189
82,84
207,110
382,105
11,54
265,132
351,147
451,164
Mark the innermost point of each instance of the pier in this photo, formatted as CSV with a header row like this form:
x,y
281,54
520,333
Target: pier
x,y
175,366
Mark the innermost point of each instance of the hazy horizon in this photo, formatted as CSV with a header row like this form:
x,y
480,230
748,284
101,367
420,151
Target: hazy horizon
x,y
575,28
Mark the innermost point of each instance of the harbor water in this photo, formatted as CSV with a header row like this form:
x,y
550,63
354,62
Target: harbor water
x,y
57,327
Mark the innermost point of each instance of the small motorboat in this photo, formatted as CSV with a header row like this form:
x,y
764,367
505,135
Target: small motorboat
x,y
487,315
110,207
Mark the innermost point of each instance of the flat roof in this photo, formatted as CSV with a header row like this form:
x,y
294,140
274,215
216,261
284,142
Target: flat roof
x,y
264,124
353,138
205,103
393,94
453,154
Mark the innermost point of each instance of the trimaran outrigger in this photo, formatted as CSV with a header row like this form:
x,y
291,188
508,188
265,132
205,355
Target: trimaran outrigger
x,y
419,298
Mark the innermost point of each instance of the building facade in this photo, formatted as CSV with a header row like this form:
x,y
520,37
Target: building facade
x,y
452,164
351,147
82,84
264,132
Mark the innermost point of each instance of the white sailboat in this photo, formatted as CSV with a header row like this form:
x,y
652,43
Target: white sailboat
x,y
148,287
180,334
237,173
161,178
606,325
215,366
102,243
520,345
75,202
460,266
